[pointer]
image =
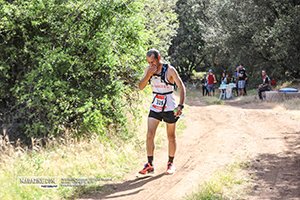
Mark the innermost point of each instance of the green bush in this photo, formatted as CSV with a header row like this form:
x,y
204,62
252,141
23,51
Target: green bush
x,y
69,65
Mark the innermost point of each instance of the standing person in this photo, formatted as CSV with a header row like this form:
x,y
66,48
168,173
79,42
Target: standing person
x,y
211,80
223,82
224,78
246,80
242,78
204,86
265,86
235,79
162,78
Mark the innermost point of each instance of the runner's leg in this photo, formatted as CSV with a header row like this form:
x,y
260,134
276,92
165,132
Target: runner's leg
x,y
171,138
172,148
152,126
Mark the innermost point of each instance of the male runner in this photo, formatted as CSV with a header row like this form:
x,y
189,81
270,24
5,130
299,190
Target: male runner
x,y
162,78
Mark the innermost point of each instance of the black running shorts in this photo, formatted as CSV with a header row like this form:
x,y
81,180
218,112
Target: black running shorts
x,y
166,116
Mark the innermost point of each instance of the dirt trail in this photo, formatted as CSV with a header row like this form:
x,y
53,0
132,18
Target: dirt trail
x,y
217,135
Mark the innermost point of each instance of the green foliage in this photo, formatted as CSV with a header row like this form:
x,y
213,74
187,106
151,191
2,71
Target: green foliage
x,y
279,42
161,23
186,50
72,65
260,34
220,34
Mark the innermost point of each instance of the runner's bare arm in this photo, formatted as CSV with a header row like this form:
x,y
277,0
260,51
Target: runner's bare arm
x,y
147,75
179,83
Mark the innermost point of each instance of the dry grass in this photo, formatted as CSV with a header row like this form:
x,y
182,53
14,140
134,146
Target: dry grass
x,y
61,159
93,157
248,99
228,183
291,104
212,100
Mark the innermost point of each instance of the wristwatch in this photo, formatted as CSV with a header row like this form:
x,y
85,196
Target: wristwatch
x,y
181,106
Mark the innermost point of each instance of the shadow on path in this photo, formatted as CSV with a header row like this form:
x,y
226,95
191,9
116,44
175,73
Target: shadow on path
x,y
277,176
127,188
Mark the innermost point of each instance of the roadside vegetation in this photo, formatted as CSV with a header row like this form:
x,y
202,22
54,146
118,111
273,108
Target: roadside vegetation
x,y
228,183
93,157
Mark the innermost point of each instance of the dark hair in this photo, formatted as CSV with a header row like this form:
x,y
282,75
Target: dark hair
x,y
154,52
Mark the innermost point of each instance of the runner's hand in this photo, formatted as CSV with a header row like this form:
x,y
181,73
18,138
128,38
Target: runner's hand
x,y
152,70
177,111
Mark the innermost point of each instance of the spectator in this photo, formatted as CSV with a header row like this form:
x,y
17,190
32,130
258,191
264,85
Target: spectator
x,y
235,80
246,81
224,78
273,82
204,86
265,86
242,78
211,80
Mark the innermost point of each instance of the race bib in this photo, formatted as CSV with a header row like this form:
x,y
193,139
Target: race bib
x,y
159,102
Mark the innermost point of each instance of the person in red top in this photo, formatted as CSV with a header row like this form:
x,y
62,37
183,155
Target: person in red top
x,y
211,80
273,82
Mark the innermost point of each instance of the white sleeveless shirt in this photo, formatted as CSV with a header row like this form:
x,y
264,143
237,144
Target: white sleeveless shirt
x,y
163,96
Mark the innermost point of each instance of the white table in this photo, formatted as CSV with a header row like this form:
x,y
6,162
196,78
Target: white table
x,y
226,90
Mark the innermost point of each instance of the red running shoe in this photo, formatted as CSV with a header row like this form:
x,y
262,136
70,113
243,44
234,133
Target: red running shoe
x,y
148,169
